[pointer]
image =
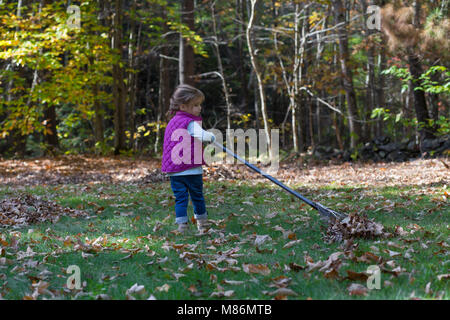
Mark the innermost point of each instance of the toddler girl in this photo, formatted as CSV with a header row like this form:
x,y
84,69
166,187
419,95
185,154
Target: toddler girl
x,y
183,155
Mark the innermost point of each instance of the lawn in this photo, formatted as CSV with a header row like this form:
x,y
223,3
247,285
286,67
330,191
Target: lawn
x,y
264,244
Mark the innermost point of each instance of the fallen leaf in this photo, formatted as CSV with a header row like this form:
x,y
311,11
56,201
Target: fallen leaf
x,y
331,274
162,260
292,243
391,263
394,245
399,230
158,225
136,289
399,270
296,267
232,282
221,294
256,268
428,288
271,215
178,275
164,287
392,253
443,244
281,282
5,261
388,283
358,276
443,276
282,292
369,257
261,239
86,255
264,251
356,289
333,261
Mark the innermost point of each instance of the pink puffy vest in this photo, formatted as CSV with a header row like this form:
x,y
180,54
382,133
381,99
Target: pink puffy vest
x,y
174,160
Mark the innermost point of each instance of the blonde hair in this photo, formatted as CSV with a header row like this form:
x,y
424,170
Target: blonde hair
x,y
183,95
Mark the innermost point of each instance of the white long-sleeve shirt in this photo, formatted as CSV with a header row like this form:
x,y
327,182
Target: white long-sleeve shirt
x,y
196,131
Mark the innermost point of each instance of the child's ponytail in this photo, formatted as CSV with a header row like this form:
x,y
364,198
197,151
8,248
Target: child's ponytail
x,y
173,108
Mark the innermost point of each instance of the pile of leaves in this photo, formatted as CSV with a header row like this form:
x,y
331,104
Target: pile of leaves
x,y
29,209
352,227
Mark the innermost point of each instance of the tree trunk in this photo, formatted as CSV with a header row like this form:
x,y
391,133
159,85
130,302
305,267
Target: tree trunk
x,y
132,43
258,74
240,11
99,128
347,75
16,139
119,89
335,120
134,76
370,80
164,85
311,123
186,58
50,133
420,103
318,121
256,102
380,100
338,133
99,112
292,98
290,87
297,131
220,66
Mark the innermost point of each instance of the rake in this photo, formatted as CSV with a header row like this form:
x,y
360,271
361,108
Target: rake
x,y
324,211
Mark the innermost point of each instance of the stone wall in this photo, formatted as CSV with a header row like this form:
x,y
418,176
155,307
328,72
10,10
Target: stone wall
x,y
382,149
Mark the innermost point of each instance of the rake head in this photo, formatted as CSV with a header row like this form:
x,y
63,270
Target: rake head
x,y
328,213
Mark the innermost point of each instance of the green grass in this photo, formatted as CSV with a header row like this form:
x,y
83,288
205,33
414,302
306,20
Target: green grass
x,y
132,252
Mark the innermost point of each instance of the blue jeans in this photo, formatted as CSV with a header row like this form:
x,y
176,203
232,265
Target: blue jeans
x,y
182,187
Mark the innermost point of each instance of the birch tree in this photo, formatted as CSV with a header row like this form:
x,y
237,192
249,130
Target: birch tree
x,y
258,73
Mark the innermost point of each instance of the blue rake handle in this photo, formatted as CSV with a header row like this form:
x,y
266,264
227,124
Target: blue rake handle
x,y
322,209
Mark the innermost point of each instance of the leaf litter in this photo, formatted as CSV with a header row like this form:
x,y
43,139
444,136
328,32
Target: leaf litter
x,y
30,209
79,169
357,226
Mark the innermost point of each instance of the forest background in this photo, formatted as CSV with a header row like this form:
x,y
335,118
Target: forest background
x,y
346,79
